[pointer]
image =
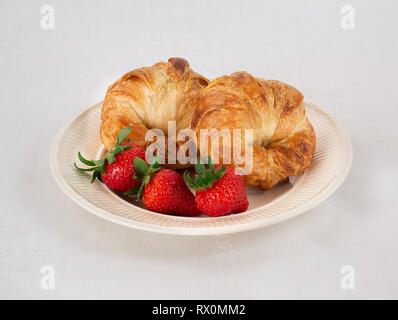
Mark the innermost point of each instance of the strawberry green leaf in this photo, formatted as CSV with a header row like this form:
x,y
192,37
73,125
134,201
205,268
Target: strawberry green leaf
x,y
100,162
85,161
210,164
123,133
96,174
136,192
200,181
140,166
200,168
208,177
188,180
110,158
219,173
116,150
132,191
146,179
137,176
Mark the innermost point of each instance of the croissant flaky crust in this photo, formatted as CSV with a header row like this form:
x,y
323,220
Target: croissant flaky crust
x,y
149,97
283,139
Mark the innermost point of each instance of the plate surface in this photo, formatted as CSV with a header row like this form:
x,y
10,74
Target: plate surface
x,y
330,165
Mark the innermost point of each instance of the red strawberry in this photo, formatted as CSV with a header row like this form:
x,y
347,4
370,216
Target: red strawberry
x,y
219,191
162,191
119,175
116,169
167,193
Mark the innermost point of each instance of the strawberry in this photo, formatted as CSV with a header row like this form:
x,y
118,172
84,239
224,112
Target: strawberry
x,y
167,193
219,191
116,169
119,174
163,190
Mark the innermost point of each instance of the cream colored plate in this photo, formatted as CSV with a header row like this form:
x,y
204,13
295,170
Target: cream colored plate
x,y
330,166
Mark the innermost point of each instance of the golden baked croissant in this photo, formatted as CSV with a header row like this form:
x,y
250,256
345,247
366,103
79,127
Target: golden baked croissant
x,y
147,98
283,139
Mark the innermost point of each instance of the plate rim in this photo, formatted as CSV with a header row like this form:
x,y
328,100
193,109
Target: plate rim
x,y
209,230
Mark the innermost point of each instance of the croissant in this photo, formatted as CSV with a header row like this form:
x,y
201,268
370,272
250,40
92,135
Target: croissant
x,y
283,139
149,97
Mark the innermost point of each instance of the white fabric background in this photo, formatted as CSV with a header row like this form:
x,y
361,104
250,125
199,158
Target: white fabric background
x,y
47,77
